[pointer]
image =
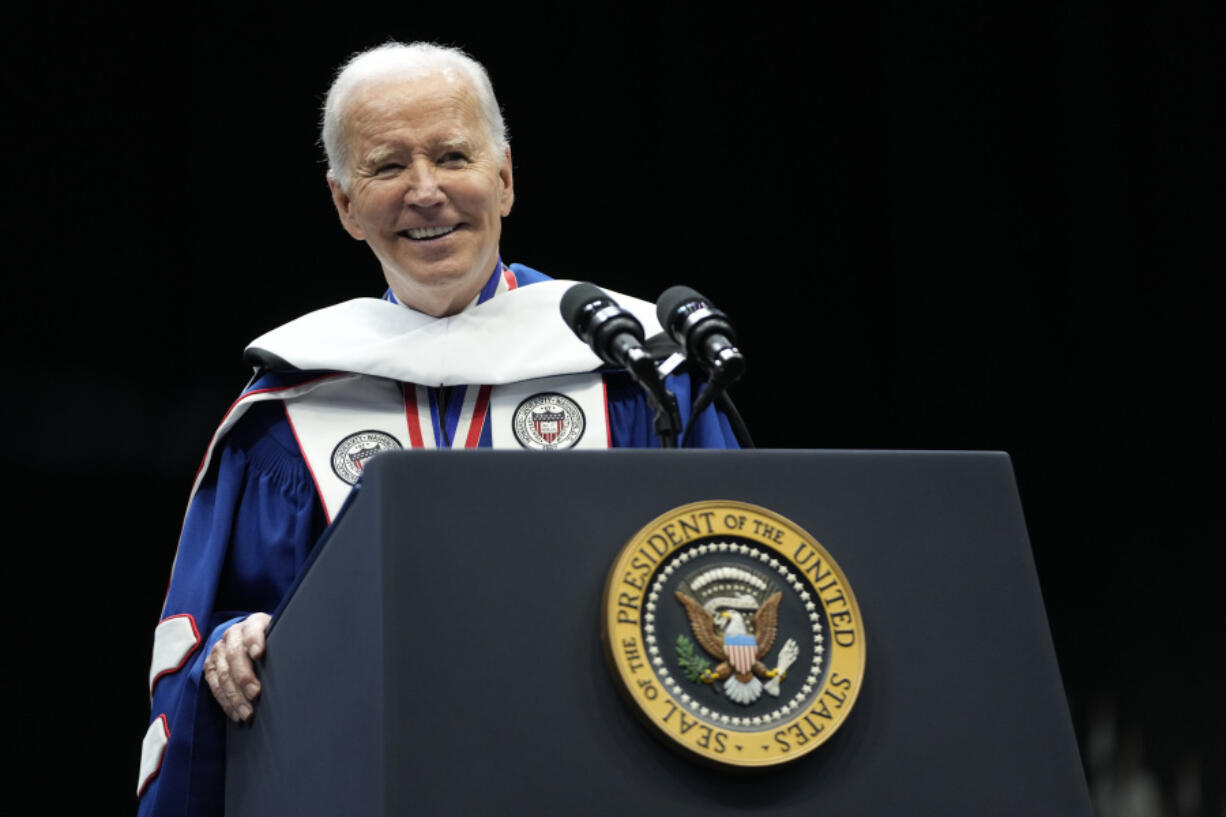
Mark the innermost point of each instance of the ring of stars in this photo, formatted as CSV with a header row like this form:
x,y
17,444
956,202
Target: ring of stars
x,y
786,573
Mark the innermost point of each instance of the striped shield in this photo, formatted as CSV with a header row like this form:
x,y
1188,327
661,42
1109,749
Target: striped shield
x,y
550,421
742,652
359,454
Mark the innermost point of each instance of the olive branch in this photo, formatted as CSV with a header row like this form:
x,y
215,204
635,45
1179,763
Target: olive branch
x,y
691,661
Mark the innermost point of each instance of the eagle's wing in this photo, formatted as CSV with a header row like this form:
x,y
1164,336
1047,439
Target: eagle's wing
x,y
766,623
703,625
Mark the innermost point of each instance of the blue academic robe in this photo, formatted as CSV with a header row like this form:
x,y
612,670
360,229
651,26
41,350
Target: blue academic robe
x,y
249,528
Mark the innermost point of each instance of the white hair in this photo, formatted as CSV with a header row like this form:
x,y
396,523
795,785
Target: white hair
x,y
396,60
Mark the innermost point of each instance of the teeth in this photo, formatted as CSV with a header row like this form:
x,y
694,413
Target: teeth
x,y
418,233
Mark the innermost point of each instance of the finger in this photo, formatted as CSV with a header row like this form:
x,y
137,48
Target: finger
x,y
225,655
222,684
248,640
238,673
214,682
256,624
240,709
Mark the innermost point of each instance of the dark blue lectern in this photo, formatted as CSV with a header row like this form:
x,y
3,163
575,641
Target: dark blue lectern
x,y
442,653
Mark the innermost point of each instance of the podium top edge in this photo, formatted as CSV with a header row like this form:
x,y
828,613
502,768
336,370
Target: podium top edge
x,y
831,456
875,452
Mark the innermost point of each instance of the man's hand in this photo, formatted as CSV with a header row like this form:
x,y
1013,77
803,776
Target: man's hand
x,y
229,669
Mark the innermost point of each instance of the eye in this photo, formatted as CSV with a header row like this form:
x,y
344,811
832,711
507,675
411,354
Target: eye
x,y
388,169
453,158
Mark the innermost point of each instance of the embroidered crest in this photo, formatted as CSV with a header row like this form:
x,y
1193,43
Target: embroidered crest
x,y
734,633
350,456
548,421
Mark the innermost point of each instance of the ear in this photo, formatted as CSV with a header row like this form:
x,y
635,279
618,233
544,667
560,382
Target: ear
x,y
508,184
344,208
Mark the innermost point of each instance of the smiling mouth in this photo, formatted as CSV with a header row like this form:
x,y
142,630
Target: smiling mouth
x,y
427,233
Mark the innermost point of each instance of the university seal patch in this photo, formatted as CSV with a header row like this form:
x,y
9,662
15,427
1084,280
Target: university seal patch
x,y
733,633
548,421
351,454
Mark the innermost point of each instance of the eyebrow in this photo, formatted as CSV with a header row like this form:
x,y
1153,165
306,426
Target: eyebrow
x,y
455,142
381,153
378,154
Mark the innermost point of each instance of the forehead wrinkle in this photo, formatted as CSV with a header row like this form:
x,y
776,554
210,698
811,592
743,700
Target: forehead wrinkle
x,y
384,149
385,100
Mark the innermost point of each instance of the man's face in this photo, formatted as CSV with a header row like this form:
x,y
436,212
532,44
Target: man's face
x,y
427,190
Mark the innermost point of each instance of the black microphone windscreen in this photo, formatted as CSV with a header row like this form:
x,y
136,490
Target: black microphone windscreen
x,y
670,300
576,298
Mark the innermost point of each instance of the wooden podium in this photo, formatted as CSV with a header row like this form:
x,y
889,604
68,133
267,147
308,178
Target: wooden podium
x,y
442,655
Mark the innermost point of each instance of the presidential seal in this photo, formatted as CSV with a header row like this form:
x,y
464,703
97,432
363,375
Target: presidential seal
x,y
548,421
733,633
351,454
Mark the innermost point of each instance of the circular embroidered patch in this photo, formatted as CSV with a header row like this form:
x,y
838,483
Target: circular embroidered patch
x,y
733,633
351,454
548,421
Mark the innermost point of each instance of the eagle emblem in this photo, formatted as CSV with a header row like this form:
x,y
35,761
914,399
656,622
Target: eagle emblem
x,y
744,643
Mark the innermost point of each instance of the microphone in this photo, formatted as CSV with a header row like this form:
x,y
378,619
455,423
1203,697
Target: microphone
x,y
703,332
706,336
616,336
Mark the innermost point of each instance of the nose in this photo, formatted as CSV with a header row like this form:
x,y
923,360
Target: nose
x,y
423,189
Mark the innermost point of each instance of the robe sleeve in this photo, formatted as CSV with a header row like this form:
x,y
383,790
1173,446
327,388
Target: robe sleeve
x,y
248,529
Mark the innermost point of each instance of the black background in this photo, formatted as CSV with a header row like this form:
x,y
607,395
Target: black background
x,y
937,226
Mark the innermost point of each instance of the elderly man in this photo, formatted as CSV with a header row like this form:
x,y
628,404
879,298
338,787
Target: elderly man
x,y
462,351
